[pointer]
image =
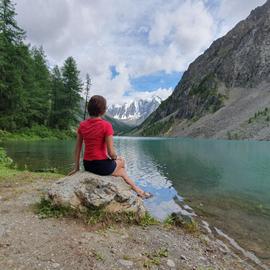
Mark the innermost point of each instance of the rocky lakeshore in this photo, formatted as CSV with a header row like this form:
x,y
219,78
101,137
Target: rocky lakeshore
x,y
29,242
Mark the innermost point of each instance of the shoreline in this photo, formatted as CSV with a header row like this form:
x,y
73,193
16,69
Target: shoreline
x,y
153,247
37,133
42,133
167,247
13,178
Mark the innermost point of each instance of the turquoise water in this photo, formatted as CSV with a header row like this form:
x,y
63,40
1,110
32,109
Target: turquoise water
x,y
225,182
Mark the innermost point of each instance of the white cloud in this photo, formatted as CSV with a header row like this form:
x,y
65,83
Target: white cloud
x,y
163,93
137,37
231,12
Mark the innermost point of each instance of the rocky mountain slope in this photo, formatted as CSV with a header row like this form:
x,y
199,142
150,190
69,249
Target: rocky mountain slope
x,y
136,112
118,126
225,93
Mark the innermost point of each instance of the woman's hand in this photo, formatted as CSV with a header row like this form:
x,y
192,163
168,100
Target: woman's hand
x,y
73,171
78,148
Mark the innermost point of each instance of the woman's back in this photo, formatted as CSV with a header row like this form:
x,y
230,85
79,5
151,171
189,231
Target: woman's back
x,y
94,132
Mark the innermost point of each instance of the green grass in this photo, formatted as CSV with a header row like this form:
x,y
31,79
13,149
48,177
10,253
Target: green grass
x,y
9,174
148,220
233,135
169,220
98,256
36,133
207,92
263,115
154,258
5,161
189,225
159,128
46,209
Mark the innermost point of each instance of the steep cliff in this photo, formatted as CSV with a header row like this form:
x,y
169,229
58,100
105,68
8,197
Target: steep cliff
x,y
225,92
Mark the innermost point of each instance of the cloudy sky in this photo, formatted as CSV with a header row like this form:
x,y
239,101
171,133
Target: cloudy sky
x,y
130,48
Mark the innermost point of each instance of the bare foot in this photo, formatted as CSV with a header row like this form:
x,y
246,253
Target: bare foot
x,y
145,195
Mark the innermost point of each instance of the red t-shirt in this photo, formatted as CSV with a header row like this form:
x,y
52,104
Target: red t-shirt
x,y
94,132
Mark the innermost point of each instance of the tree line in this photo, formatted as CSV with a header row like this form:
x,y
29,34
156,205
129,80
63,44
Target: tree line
x,y
31,93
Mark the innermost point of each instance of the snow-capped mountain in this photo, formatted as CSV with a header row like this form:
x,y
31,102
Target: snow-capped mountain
x,y
136,112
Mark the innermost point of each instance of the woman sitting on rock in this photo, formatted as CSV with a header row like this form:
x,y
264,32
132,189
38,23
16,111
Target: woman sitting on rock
x,y
99,154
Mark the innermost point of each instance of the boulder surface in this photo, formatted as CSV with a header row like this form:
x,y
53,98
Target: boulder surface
x,y
87,190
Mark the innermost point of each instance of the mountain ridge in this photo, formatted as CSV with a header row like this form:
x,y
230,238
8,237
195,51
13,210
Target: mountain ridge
x,y
134,112
232,71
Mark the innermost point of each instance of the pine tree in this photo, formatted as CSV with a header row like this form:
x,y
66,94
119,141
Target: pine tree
x,y
72,89
11,85
39,95
12,33
88,85
57,115
29,93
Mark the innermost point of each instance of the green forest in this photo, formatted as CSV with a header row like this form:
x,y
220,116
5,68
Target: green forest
x,y
34,96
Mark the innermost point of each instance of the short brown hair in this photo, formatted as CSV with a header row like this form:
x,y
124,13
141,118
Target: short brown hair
x,y
97,106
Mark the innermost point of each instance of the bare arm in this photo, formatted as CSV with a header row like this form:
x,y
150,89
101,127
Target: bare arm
x,y
77,155
110,147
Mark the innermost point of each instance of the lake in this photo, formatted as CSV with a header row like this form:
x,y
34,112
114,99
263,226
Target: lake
x,y
227,183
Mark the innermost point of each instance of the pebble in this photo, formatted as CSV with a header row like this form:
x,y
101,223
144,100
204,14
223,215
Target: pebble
x,y
170,263
126,263
55,265
124,236
183,257
202,258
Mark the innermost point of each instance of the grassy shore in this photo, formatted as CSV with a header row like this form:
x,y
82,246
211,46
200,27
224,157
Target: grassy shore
x,y
36,133
9,174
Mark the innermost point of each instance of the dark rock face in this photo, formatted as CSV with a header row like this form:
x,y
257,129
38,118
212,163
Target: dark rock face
x,y
239,59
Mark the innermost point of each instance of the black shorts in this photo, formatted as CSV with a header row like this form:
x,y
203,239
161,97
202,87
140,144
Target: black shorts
x,y
100,167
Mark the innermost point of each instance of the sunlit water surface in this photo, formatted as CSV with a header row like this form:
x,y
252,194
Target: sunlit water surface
x,y
225,182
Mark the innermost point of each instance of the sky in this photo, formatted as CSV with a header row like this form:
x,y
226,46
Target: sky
x,y
130,48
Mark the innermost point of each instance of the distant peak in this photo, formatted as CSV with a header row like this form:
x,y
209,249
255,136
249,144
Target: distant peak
x,y
138,109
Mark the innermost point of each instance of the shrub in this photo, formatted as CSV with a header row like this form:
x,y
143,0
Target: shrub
x,y
92,216
4,159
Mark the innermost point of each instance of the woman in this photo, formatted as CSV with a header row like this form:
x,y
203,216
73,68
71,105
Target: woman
x,y
99,155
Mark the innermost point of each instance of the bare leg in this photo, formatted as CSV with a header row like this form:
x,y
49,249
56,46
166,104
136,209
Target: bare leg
x,y
120,171
122,162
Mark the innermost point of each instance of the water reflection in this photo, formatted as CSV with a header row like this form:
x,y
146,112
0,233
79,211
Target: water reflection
x,y
151,176
228,182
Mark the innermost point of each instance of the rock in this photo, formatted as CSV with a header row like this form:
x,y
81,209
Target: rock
x,y
84,189
235,68
170,263
126,263
182,219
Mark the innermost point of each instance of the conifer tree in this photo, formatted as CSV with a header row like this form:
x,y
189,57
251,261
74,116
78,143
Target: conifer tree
x,y
72,89
11,85
12,33
29,93
57,116
39,95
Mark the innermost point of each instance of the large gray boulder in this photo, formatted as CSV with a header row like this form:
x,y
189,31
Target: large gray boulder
x,y
85,189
